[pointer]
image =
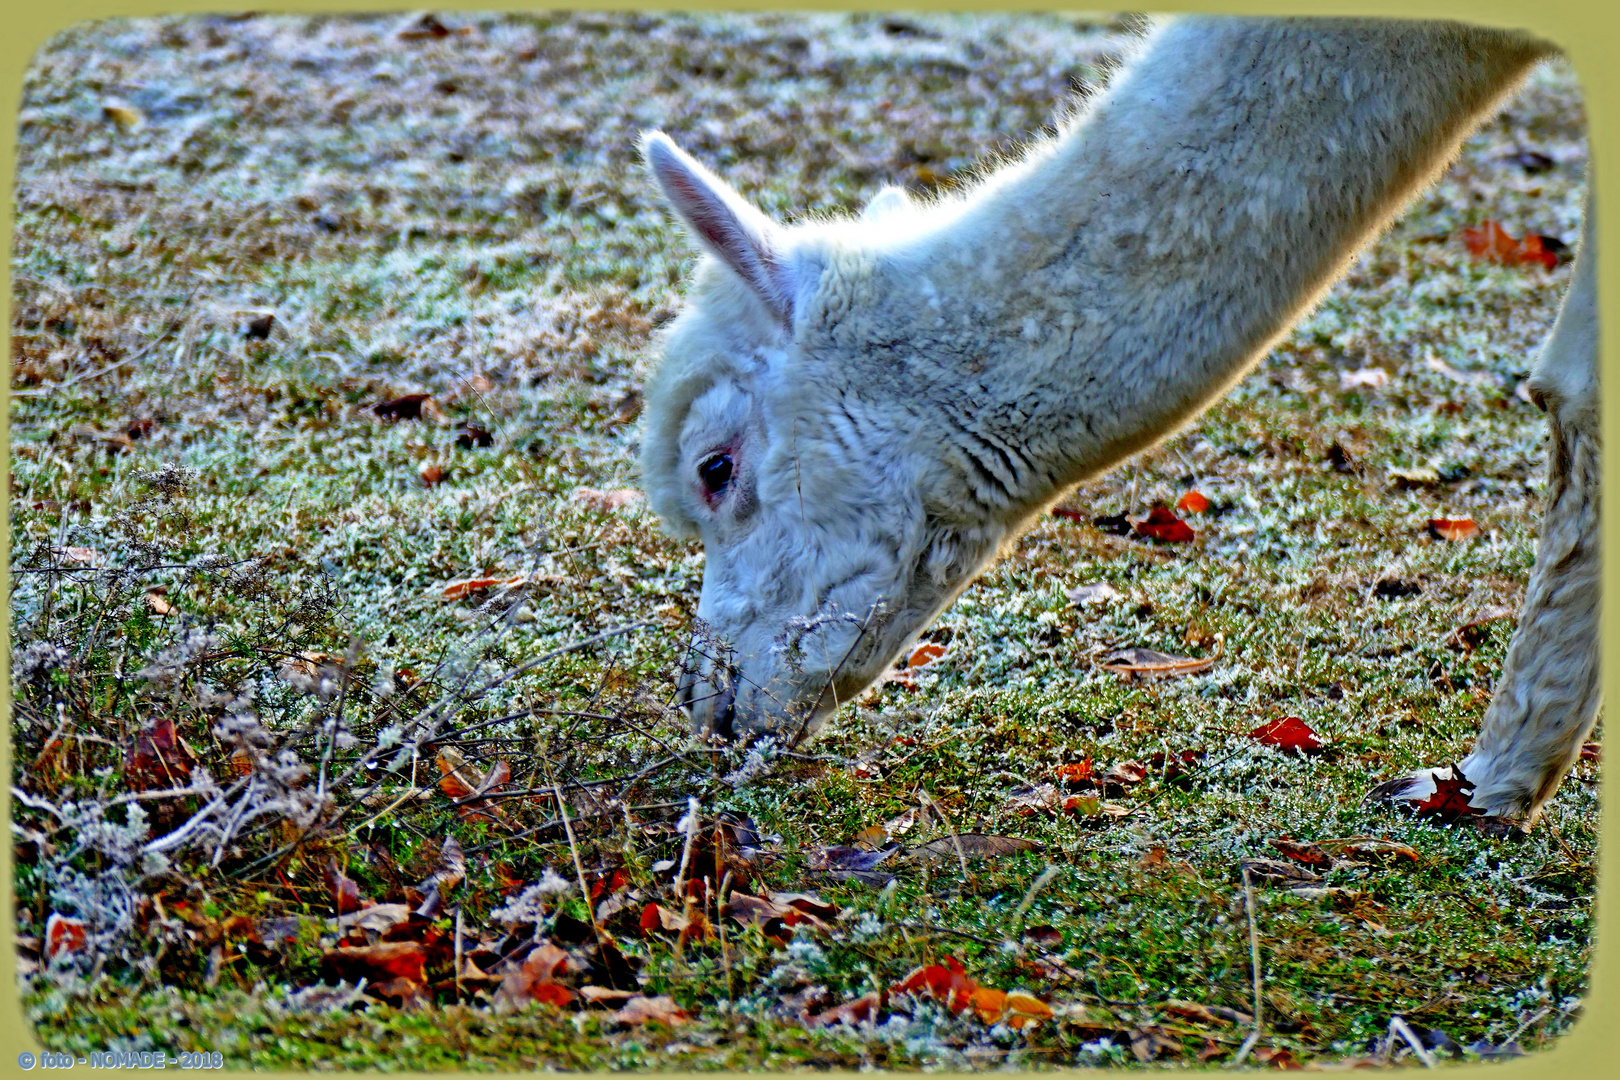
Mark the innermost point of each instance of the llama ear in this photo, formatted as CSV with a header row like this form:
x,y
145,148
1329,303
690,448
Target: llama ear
x,y
887,203
742,237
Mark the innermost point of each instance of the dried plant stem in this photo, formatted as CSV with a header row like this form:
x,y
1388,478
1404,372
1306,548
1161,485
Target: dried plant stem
x,y
1399,1026
1254,963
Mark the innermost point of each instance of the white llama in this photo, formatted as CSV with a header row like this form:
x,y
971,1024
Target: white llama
x,y
857,416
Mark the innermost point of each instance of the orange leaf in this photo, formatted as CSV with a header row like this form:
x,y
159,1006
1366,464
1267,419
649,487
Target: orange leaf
x,y
1162,524
988,1004
1194,502
1026,1010
925,653
64,934
1489,242
1453,528
1076,772
550,993
1288,733
396,959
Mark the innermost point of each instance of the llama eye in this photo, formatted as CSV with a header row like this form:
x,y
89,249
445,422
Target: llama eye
x,y
715,472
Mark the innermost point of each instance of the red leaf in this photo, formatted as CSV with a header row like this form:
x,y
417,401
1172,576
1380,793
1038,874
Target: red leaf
x,y
1450,799
64,934
925,654
1067,514
1453,528
159,758
1162,524
1194,502
945,982
1288,733
1489,242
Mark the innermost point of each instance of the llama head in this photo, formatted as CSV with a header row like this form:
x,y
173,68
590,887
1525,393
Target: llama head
x,y
827,546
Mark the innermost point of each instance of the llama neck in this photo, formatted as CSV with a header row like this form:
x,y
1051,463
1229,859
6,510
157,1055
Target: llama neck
x,y
1082,304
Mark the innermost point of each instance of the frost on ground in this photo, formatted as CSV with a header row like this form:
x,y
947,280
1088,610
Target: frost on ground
x,y
269,640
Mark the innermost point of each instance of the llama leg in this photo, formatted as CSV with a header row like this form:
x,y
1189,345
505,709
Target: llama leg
x,y
1549,693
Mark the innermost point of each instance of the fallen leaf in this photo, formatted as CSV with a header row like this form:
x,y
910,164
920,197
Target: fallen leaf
x,y
1078,773
1372,378
159,758
1470,635
374,963
376,919
1277,1058
1453,528
862,1008
646,1010
1162,524
946,982
1140,663
1467,378
987,1003
1531,161
1591,751
1489,242
157,605
1395,588
1112,524
1124,775
1382,849
64,935
1278,871
1288,733
473,435
431,472
428,27
972,845
924,654
344,890
1417,476
1302,851
1449,801
258,327
82,554
1148,1042
1194,502
407,407
605,501
127,117
1098,592
1032,799
1069,514
455,590
901,824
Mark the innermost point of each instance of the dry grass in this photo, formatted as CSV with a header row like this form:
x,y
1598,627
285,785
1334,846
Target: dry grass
x,y
462,217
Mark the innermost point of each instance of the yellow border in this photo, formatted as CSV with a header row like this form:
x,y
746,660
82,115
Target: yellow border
x,y
1588,30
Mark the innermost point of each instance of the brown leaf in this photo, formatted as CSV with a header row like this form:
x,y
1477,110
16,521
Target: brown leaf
x,y
472,435
157,605
407,407
1489,242
973,846
654,1010
432,473
345,892
1382,849
429,28
1302,851
159,758
606,501
1140,663
1033,799
377,963
862,1008
1279,872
